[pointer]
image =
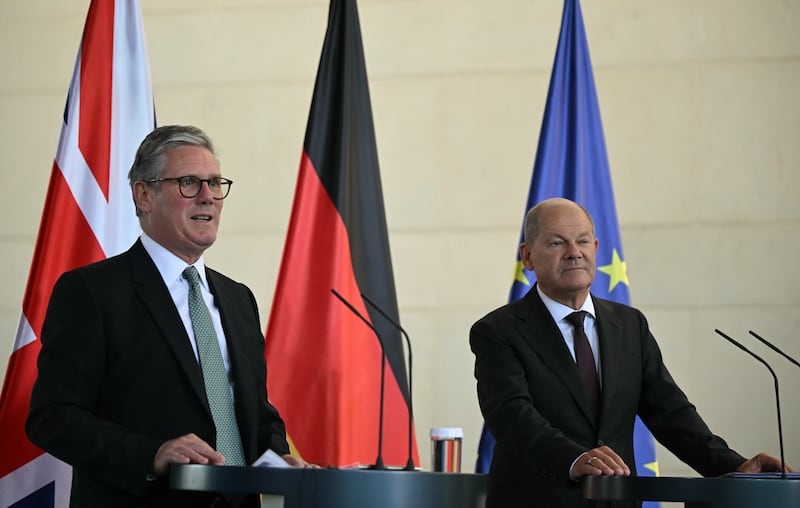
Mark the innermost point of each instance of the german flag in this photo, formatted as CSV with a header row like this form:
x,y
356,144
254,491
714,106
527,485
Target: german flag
x,y
325,363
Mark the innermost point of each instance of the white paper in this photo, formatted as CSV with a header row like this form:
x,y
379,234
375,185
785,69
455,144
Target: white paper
x,y
271,459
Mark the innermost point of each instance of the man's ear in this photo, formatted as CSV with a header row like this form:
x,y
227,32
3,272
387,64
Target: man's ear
x,y
143,196
526,256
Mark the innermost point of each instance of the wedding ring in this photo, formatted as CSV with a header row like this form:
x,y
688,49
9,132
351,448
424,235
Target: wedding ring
x,y
589,462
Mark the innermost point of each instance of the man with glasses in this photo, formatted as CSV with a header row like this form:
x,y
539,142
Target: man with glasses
x,y
150,358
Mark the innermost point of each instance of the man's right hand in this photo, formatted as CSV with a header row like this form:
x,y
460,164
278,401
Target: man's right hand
x,y
187,449
600,461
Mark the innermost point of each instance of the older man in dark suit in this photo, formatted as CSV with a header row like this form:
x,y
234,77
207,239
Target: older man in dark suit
x,y
562,375
135,374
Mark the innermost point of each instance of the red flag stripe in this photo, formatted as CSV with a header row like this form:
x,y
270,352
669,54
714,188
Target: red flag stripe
x,y
341,371
97,53
17,450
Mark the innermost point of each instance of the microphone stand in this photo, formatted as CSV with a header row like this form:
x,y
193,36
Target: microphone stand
x,y
379,460
410,461
773,347
777,397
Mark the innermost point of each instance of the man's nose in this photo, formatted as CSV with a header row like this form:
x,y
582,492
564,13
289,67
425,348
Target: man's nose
x,y
205,195
573,250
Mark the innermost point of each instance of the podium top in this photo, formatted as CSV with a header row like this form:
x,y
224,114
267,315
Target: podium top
x,y
337,488
764,476
728,492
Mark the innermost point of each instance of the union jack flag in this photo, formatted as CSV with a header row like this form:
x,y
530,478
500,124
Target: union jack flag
x,y
88,216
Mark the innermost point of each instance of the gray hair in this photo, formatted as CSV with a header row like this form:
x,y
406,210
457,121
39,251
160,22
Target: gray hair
x,y
151,155
533,218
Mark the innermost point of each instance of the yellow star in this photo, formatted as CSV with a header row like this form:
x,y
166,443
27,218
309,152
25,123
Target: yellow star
x,y
519,274
653,466
617,271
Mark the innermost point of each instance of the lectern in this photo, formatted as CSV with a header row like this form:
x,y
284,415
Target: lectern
x,y
720,492
336,488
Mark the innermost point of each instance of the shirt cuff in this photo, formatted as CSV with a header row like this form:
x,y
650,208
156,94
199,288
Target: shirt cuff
x,y
573,465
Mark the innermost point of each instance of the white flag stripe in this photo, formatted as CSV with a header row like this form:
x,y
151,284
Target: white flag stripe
x,y
111,221
25,334
131,120
34,475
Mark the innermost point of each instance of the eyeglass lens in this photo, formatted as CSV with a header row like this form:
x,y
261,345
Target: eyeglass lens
x,y
190,186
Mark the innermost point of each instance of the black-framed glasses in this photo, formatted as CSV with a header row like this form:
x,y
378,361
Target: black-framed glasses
x,y
190,186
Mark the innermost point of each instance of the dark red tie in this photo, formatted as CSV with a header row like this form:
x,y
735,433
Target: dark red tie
x,y
585,360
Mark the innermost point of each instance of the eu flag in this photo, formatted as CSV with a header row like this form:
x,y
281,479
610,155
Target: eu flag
x,y
571,162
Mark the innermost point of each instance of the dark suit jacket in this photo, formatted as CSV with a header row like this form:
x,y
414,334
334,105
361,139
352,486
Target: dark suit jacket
x,y
118,377
531,398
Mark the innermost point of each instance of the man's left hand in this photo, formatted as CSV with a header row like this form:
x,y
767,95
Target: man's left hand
x,y
763,463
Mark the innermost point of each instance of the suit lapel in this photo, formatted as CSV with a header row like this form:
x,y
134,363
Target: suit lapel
x,y
541,333
152,291
609,331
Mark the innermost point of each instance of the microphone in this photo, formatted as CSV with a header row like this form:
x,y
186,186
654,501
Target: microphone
x,y
410,462
773,347
777,397
379,460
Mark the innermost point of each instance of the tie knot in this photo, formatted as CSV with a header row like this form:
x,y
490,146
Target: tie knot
x,y
576,318
190,274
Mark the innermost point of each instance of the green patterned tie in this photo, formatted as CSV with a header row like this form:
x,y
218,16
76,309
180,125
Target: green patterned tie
x,y
229,443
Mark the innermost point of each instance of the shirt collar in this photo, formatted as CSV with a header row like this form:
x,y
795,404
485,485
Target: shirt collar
x,y
559,311
169,265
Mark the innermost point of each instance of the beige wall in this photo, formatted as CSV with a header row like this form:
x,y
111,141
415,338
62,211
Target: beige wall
x,y
701,117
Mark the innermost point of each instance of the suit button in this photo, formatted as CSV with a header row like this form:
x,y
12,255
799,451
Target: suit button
x,y
600,442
